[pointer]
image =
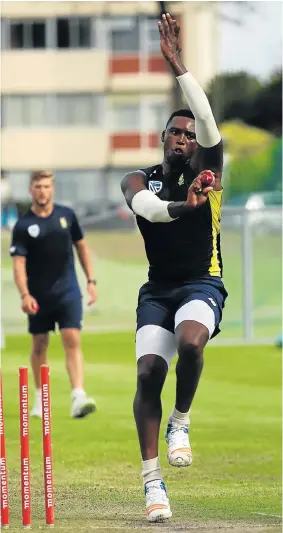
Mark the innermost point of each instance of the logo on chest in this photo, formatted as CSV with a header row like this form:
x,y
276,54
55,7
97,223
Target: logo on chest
x,y
63,222
34,230
155,186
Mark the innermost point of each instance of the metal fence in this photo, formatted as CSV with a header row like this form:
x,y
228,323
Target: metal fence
x,y
252,258
252,253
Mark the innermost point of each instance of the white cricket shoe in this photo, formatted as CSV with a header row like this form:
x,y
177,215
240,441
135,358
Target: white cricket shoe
x,y
157,503
82,406
36,412
179,448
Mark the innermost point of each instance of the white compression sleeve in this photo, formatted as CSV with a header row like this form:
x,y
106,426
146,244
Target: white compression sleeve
x,y
207,133
149,206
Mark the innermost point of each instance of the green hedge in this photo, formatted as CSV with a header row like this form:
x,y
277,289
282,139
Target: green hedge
x,y
255,160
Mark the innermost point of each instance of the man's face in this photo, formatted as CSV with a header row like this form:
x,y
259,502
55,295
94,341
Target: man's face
x,y
179,141
42,191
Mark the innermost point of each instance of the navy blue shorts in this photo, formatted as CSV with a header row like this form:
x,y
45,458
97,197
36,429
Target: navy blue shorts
x,y
66,313
161,304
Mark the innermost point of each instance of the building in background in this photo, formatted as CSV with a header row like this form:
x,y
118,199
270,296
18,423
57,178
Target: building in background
x,y
86,92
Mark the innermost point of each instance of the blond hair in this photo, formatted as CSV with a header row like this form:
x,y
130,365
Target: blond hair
x,y
37,175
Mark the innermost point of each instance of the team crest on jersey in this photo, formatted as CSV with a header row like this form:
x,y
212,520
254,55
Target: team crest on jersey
x,y
34,230
155,186
63,222
181,180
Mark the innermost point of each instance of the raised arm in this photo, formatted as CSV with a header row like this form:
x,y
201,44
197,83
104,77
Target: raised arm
x,y
146,204
207,133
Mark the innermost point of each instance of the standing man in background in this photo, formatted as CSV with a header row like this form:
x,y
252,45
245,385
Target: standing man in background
x,y
44,273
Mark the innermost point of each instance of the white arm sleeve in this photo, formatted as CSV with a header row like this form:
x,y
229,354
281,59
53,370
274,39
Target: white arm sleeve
x,y
149,206
207,133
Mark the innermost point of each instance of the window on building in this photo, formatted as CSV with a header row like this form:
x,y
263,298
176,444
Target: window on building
x,y
124,34
17,35
19,185
28,34
73,32
80,187
114,193
69,32
133,34
77,109
84,32
51,109
63,33
159,113
72,187
13,111
38,35
36,112
152,38
4,33
126,117
25,110
125,113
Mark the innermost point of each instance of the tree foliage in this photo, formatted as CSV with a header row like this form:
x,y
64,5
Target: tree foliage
x,y
242,96
266,109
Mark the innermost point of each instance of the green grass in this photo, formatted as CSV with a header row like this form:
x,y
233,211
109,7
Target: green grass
x,y
235,435
121,268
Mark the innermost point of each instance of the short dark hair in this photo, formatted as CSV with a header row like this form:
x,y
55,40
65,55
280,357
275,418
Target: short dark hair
x,y
180,113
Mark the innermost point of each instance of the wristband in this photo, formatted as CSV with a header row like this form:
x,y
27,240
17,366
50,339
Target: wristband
x,y
91,281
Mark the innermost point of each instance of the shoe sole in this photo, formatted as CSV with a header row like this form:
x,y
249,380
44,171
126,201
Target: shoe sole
x,y
180,461
161,517
87,409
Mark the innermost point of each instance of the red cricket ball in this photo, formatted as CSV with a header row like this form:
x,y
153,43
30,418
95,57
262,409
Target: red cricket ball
x,y
207,178
36,307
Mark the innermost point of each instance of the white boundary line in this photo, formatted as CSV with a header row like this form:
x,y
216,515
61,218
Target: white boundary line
x,y
272,515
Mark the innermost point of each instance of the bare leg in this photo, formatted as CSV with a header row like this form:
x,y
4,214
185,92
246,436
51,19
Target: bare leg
x,y
38,355
38,358
81,404
191,339
152,371
74,356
